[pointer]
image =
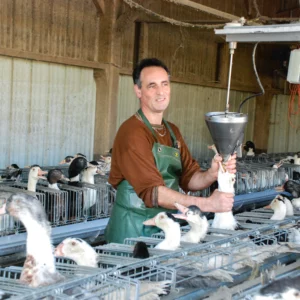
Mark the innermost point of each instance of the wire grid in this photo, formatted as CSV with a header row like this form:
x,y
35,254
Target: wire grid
x,y
55,203
8,224
76,277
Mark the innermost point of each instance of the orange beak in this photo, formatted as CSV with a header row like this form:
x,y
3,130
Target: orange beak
x,y
150,222
181,208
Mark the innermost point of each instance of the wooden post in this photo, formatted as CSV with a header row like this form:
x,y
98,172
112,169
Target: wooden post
x,y
106,80
262,121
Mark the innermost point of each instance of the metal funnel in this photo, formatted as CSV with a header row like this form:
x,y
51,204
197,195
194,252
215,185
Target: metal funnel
x,y
227,130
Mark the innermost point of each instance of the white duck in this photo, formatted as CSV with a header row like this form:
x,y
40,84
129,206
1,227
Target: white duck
x,y
198,222
89,173
39,267
34,175
279,207
85,255
166,222
226,182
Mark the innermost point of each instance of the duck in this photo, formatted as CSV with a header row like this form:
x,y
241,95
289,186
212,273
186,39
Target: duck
x,y
293,188
197,221
13,172
39,266
279,207
226,181
249,147
76,167
85,255
53,177
105,164
166,222
34,175
287,288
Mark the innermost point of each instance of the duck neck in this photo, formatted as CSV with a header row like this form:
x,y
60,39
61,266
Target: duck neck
x,y
53,186
87,260
172,236
31,186
75,179
88,178
39,242
198,231
279,214
224,220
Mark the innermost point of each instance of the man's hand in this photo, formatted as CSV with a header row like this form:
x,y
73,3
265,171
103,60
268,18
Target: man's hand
x,y
217,202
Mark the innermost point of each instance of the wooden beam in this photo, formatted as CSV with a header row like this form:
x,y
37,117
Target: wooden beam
x,y
206,9
100,6
52,59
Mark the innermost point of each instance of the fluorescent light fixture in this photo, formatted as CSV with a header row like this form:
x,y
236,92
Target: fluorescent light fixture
x,y
266,33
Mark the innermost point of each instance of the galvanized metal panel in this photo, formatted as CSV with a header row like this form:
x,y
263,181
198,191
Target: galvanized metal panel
x,y
283,137
187,109
48,112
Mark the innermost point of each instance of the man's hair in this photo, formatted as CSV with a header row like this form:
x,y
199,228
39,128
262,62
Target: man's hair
x,y
144,63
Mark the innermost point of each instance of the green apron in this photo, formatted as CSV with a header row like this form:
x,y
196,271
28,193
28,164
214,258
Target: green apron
x,y
129,211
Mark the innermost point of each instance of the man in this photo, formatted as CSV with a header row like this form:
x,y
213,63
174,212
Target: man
x,y
150,160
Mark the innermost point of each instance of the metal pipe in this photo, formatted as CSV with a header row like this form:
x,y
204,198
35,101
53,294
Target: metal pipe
x,y
232,47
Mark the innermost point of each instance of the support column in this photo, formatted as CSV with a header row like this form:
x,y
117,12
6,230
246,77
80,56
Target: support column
x,y
107,80
262,121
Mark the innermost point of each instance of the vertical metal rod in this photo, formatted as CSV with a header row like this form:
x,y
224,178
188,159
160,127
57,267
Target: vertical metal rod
x,y
232,46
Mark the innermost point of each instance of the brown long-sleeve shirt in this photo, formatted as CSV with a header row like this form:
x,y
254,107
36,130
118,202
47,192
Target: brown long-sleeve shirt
x,y
132,159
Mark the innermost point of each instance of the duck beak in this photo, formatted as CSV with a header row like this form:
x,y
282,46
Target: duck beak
x,y
268,206
63,178
150,222
59,250
180,216
181,208
100,172
3,209
41,174
279,188
62,162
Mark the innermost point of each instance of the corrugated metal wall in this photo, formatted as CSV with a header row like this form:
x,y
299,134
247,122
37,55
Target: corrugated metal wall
x,y
47,112
188,105
282,136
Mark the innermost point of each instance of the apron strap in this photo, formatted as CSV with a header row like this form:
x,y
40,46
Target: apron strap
x,y
173,137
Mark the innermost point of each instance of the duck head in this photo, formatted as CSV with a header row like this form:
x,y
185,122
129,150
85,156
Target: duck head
x,y
24,207
166,222
191,214
67,160
279,208
76,167
56,175
78,250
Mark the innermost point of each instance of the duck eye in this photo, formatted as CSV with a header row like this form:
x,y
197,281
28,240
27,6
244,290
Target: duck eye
x,y
73,243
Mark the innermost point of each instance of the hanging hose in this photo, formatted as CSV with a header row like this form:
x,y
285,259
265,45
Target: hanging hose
x,y
257,78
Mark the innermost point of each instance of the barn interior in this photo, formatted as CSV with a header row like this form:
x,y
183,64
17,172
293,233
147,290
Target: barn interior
x,y
66,88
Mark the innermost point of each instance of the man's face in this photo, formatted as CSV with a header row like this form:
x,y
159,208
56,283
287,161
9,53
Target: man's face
x,y
154,93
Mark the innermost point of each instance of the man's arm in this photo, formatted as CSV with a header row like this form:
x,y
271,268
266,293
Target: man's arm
x,y
217,202
201,180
